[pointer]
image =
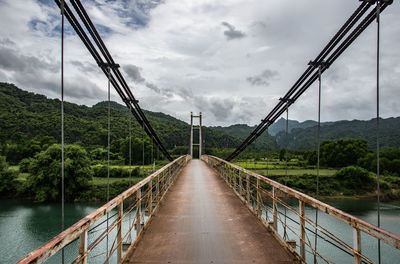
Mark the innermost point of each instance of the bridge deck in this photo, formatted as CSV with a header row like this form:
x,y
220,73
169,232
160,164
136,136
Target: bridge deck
x,y
202,221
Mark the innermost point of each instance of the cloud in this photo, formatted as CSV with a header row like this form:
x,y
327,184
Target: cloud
x,y
232,33
177,60
42,75
133,72
12,60
263,79
85,66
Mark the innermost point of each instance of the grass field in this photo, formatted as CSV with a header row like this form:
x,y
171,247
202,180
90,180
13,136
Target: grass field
x,y
103,181
272,164
295,172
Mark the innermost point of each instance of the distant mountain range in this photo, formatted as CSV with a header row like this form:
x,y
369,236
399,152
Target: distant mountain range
x,y
31,115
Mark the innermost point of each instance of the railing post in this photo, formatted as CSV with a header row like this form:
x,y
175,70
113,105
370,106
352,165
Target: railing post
x,y
248,188
150,196
163,183
158,188
258,198
240,184
83,246
275,208
231,177
119,232
357,245
302,230
138,211
169,176
235,179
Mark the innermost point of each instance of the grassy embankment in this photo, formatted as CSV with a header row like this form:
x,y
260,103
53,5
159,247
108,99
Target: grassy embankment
x,y
96,191
303,179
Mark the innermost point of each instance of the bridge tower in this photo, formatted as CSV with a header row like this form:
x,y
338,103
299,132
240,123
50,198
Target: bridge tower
x,y
192,127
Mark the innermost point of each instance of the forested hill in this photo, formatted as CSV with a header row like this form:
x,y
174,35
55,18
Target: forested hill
x,y
27,115
305,138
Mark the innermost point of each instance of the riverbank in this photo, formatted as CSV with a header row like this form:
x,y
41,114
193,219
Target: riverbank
x,y
96,192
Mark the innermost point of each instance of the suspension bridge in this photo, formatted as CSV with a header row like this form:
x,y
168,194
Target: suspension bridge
x,y
210,210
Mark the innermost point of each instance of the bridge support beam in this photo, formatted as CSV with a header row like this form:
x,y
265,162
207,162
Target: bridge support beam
x,y
83,246
275,208
357,245
150,209
259,200
192,127
302,230
138,211
119,232
248,188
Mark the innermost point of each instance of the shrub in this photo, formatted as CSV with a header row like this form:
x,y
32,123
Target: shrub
x,y
24,165
7,178
355,177
101,171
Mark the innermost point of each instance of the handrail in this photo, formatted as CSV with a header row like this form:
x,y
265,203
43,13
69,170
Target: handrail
x,y
359,225
63,239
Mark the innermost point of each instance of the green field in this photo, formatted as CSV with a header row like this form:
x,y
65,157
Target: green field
x,y
295,172
272,164
103,181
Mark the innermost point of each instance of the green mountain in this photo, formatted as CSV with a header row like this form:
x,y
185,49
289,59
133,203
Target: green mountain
x,y
280,125
305,138
26,115
29,115
242,131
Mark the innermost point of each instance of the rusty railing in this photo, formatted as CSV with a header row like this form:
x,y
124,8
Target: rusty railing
x,y
275,206
129,214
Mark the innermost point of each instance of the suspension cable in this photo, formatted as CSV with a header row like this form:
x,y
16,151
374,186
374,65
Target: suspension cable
x,y
108,147
266,154
130,168
331,52
286,161
320,66
143,151
378,6
152,156
62,127
318,158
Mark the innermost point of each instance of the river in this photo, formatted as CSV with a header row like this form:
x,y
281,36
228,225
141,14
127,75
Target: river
x,y
24,226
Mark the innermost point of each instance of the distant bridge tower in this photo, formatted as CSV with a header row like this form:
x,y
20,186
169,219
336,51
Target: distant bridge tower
x,y
191,134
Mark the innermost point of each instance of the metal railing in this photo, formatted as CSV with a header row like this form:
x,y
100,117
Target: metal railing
x,y
137,204
272,203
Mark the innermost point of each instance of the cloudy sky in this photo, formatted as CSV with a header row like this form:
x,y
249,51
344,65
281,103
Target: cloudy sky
x,y
232,60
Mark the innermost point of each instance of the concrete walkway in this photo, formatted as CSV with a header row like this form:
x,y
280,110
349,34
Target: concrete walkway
x,y
201,220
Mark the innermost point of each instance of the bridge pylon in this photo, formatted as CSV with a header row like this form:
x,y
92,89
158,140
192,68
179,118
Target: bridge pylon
x,y
192,127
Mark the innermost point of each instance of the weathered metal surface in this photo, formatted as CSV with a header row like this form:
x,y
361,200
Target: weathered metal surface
x,y
201,220
302,230
370,229
57,243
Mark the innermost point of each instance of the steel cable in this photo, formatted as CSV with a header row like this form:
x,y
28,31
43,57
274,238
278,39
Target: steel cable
x,y
378,6
279,108
62,127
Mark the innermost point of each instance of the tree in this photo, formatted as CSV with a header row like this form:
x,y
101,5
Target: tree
x,y
137,150
7,178
45,173
354,177
282,154
99,154
343,152
389,161
311,157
